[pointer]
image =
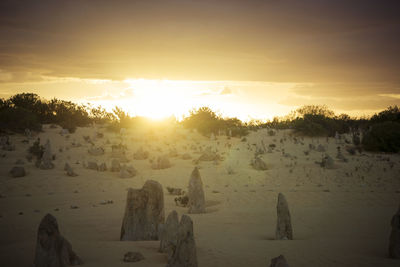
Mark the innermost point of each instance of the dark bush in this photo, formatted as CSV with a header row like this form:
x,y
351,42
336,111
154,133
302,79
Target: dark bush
x,y
383,137
18,119
207,122
389,114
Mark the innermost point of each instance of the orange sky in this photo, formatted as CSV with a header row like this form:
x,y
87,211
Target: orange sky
x,y
273,55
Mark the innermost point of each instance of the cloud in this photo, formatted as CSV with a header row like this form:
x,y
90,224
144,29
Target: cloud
x,y
107,96
282,41
350,104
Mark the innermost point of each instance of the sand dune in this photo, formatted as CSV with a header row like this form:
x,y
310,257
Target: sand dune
x,y
340,216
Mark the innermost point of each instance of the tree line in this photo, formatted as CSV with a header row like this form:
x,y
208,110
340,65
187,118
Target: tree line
x,y
380,132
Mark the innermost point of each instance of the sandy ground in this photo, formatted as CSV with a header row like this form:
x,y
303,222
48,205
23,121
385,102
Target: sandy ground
x,y
340,217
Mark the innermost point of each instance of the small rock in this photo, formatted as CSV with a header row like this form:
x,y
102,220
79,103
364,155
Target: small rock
x,y
279,261
17,172
132,256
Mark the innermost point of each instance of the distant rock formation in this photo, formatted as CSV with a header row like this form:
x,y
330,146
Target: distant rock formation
x,y
184,253
127,172
328,162
140,154
115,165
144,212
91,165
133,256
321,148
259,164
186,156
47,157
209,155
96,151
52,249
102,167
394,241
175,191
284,226
279,261
6,144
162,162
197,202
69,170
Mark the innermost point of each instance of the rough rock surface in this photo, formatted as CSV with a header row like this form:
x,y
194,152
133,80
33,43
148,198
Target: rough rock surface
x,y
328,162
184,254
17,172
169,233
52,249
144,212
197,202
47,157
259,164
284,226
394,241
279,261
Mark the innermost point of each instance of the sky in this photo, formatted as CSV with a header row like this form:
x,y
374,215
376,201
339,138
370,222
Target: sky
x,y
249,59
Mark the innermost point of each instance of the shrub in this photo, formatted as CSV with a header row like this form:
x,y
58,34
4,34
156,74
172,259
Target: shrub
x,y
19,119
389,114
384,137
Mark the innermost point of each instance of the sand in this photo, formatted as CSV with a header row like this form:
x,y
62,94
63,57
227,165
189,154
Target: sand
x,y
340,217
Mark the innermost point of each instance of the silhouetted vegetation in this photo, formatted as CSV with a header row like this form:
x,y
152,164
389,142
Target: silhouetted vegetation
x,y
381,132
29,111
207,122
384,136
384,131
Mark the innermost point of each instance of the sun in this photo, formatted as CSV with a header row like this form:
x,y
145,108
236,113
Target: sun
x,y
159,99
